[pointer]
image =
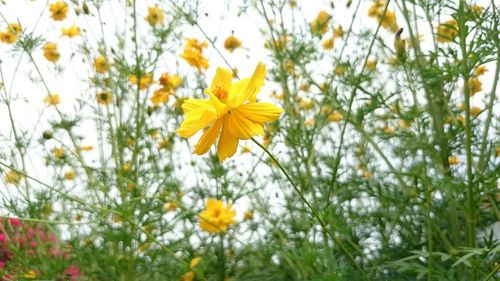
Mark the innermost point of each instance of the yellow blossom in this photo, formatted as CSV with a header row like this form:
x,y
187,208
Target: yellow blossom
x,y
30,274
388,130
104,98
216,217
14,28
309,122
447,31
155,16
13,177
188,276
50,52
170,83
58,152
338,32
335,117
278,43
144,82
70,175
165,144
78,217
71,31
340,70
474,111
475,86
327,44
371,65
52,99
59,10
248,215
404,124
170,206
231,110
387,20
480,70
159,96
194,262
101,64
231,43
319,26
453,160
8,37
477,10
193,54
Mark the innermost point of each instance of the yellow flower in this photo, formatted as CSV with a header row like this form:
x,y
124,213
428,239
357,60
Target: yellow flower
x,y
371,65
194,262
335,117
70,175
327,44
13,177
71,31
309,122
50,52
52,99
453,160
388,130
58,152
231,110
155,16
217,217
319,26
104,98
231,43
480,70
474,111
340,70
188,276
159,96
447,31
387,21
14,28
59,10
170,83
338,32
475,86
170,206
193,54
144,82
101,64
30,274
8,37
248,215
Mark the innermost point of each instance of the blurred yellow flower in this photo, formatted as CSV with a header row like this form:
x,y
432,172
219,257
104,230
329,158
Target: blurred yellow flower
x,y
319,26
52,99
13,177
8,37
145,81
327,44
14,27
101,64
231,110
387,20
309,122
335,117
480,70
70,175
216,217
475,86
170,82
50,52
338,32
194,262
159,96
71,31
453,160
447,31
371,65
248,215
193,54
59,10
58,152
155,16
340,70
104,98
170,206
30,274
231,43
188,276
474,111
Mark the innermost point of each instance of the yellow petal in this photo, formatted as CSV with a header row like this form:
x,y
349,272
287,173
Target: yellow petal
x,y
252,87
194,104
242,127
220,107
208,138
222,79
260,112
227,143
195,121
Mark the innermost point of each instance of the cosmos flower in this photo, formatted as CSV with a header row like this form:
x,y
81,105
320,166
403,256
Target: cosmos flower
x,y
155,16
59,10
216,217
50,52
231,43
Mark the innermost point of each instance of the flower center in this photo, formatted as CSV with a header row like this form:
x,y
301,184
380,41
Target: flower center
x,y
220,93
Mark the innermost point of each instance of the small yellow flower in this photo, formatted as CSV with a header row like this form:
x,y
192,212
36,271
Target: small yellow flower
x,y
217,217
101,64
188,276
159,96
340,70
387,21
145,81
194,262
30,274
327,44
309,122
231,43
13,177
8,37
165,144
475,86
453,160
388,130
58,152
480,70
248,215
52,99
104,98
50,52
78,217
71,31
126,167
477,10
338,32
170,206
193,54
170,83
70,175
155,16
404,124
14,27
447,31
474,111
59,10
231,113
319,26
371,65
335,117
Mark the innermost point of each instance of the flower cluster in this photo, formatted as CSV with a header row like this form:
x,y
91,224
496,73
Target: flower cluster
x,y
193,54
9,36
387,18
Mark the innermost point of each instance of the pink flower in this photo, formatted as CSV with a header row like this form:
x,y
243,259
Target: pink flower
x,y
2,264
15,222
2,237
33,243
